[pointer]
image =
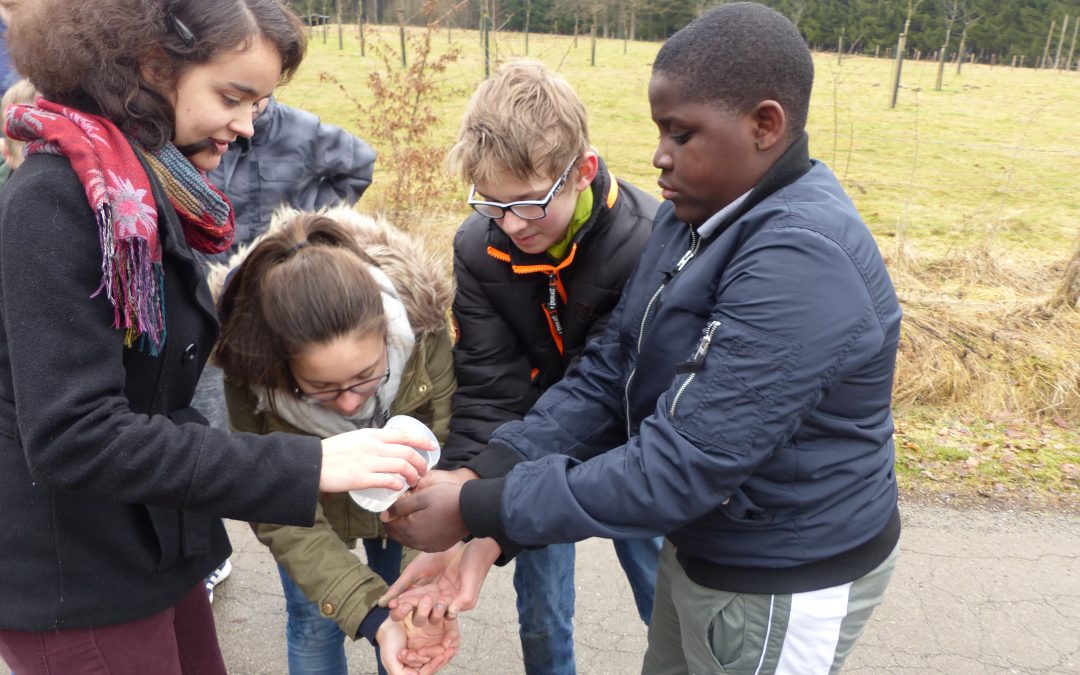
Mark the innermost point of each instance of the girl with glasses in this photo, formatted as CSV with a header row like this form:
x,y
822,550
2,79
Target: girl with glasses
x,y
111,485
331,322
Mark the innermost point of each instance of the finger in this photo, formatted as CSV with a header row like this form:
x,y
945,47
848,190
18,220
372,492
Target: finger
x,y
401,437
384,477
408,503
423,610
438,612
412,658
438,662
401,611
399,467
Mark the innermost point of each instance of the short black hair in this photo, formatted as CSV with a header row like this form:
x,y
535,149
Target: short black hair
x,y
738,55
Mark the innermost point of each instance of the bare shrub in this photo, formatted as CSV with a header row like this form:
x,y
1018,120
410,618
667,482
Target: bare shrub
x,y
398,117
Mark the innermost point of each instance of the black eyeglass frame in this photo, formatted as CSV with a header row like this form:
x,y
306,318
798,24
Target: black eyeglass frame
x,y
479,204
362,387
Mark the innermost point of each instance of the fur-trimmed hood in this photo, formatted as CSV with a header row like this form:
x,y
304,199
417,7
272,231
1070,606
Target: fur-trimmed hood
x,y
416,272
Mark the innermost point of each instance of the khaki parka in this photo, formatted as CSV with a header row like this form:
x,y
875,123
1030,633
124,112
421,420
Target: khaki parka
x,y
320,559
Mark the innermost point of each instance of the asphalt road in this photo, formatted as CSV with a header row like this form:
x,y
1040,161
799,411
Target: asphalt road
x,y
975,591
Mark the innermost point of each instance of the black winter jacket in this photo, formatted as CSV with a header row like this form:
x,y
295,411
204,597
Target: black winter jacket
x,y
110,483
507,353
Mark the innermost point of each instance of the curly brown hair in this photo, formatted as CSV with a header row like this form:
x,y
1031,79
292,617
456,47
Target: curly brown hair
x,y
94,56
303,284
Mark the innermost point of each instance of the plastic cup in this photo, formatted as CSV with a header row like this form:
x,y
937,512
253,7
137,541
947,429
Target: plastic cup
x,y
380,499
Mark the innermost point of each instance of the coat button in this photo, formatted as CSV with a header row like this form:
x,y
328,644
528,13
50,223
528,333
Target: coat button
x,y
328,609
190,352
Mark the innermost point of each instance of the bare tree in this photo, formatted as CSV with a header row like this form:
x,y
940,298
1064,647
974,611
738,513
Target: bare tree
x,y
968,18
951,10
901,45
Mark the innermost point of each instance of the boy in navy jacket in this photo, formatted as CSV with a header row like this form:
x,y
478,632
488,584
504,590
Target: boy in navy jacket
x,y
739,400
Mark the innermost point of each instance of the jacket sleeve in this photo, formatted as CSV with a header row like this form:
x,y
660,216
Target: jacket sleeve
x,y
439,361
343,588
78,431
344,165
764,369
494,383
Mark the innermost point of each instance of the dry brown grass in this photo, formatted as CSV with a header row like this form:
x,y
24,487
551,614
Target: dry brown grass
x,y
977,338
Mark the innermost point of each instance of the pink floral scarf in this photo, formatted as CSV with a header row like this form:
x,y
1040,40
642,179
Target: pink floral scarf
x,y
119,191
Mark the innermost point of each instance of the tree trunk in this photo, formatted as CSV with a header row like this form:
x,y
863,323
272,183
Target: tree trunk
x,y
960,52
1067,295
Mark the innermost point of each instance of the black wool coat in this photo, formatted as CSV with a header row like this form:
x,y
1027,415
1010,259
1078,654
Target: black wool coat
x,y
111,485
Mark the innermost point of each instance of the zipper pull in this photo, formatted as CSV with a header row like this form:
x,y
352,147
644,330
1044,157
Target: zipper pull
x,y
697,362
683,260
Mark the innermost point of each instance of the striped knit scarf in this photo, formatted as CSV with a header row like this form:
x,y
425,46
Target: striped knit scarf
x,y
120,194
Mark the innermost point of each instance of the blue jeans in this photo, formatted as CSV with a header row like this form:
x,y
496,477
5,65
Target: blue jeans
x,y
544,582
316,645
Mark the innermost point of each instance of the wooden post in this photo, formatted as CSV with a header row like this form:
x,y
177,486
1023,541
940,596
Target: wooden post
x,y
960,52
877,51
362,21
1022,59
528,6
1061,41
897,68
592,37
1046,49
840,46
401,32
941,66
340,28
575,31
1013,61
485,19
1068,62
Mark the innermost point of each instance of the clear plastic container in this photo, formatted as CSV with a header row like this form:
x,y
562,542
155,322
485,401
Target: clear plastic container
x,y
380,499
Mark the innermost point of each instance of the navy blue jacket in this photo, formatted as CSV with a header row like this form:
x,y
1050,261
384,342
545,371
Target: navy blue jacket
x,y
738,402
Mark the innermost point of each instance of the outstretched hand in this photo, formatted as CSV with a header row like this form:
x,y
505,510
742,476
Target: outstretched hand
x,y
428,518
442,584
417,645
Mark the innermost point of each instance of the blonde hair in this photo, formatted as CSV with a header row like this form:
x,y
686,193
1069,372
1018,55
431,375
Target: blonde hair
x,y
526,120
20,92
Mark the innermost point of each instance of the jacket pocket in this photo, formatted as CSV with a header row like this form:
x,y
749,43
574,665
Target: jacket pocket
x,y
167,526
727,390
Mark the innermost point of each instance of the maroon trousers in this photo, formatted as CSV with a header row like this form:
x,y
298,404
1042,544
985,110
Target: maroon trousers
x,y
178,641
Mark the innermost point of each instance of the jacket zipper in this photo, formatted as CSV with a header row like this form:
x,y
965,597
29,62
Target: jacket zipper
x,y
683,261
695,364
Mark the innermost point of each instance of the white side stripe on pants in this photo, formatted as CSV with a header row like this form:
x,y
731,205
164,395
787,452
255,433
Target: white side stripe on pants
x,y
813,630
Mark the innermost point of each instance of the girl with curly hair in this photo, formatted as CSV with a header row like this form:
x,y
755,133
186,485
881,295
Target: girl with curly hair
x,y
111,484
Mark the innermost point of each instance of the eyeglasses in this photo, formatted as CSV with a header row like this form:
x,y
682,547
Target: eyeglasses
x,y
363,387
527,209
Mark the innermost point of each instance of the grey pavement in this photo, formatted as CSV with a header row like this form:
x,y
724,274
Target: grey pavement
x,y
975,591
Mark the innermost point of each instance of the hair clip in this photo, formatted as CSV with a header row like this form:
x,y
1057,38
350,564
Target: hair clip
x,y
297,246
182,30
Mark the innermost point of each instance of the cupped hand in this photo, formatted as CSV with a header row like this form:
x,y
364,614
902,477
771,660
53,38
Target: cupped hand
x,y
442,584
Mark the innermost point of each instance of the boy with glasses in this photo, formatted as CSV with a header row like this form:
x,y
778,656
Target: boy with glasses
x,y
538,269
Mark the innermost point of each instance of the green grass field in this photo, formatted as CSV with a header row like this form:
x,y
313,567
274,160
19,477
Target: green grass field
x,y
971,191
